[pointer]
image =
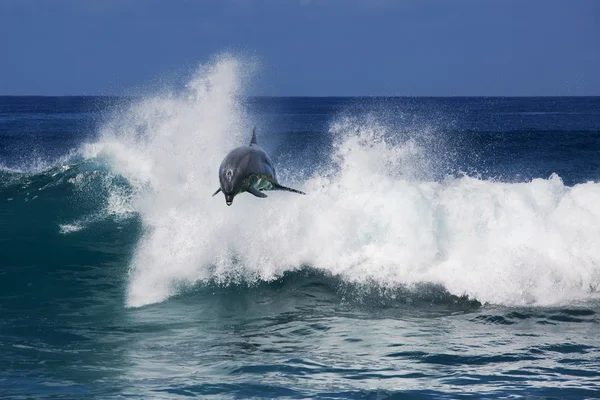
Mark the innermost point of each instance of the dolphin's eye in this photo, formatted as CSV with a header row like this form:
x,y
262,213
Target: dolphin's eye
x,y
229,174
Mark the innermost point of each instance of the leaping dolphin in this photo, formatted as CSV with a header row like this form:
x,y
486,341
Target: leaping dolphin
x,y
248,169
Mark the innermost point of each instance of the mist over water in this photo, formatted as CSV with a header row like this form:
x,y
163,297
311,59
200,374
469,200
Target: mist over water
x,y
376,211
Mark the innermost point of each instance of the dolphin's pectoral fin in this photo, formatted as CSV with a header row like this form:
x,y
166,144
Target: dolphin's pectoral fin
x,y
253,140
218,190
255,192
277,186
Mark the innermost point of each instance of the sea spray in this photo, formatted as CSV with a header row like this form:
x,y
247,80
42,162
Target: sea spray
x,y
370,216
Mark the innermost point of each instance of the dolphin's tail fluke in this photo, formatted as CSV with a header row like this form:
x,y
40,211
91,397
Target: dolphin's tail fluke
x,y
277,186
218,190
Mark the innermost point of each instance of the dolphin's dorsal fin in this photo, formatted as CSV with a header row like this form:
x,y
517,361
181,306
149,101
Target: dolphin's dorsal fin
x,y
253,140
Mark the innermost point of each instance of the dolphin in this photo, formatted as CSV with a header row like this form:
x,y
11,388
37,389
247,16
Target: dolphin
x,y
248,169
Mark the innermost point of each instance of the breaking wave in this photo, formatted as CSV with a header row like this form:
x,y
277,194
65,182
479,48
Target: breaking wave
x,y
371,215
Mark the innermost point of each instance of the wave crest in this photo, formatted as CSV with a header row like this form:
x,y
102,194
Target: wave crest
x,y
372,216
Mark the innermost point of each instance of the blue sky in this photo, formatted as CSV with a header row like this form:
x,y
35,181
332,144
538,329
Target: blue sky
x,y
306,47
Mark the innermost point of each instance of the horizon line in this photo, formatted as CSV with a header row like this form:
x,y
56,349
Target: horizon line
x,y
315,96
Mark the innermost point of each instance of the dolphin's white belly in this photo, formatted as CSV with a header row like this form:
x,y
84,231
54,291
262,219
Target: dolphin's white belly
x,y
258,182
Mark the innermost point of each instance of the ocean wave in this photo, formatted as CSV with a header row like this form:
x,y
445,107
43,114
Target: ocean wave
x,y
375,213
370,216
74,183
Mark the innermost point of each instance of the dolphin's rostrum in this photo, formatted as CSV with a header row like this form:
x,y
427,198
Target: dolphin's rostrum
x,y
248,169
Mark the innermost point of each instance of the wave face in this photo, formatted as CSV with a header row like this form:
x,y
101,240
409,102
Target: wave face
x,y
381,210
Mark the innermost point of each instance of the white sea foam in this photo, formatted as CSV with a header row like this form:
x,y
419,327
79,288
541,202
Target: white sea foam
x,y
35,164
65,229
366,219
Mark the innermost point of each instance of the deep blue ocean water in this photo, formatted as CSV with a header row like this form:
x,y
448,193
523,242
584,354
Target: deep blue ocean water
x,y
446,248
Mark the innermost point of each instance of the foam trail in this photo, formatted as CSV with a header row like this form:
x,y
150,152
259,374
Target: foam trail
x,y
366,219
65,229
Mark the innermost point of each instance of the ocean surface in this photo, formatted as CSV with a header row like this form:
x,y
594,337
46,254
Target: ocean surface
x,y
446,247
